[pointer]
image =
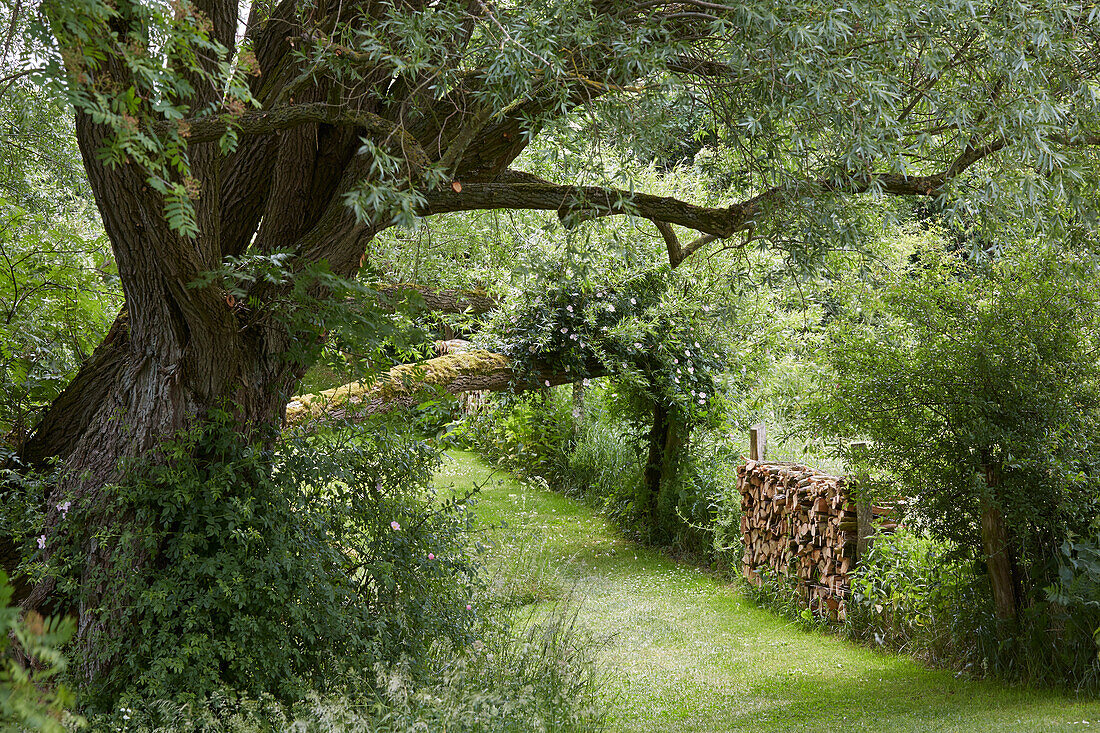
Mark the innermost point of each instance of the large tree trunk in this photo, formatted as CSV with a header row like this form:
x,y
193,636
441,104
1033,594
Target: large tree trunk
x,y
177,353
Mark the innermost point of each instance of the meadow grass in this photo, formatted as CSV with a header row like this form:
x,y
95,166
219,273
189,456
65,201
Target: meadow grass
x,y
683,651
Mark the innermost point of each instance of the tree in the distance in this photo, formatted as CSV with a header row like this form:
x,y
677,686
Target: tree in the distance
x,y
327,122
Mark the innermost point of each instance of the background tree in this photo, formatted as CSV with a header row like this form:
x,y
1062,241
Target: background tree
x,y
978,384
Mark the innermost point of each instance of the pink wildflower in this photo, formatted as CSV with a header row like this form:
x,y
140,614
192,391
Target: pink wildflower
x,y
42,542
395,525
431,556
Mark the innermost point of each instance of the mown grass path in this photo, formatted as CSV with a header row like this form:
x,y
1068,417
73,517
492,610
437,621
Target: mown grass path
x,y
686,652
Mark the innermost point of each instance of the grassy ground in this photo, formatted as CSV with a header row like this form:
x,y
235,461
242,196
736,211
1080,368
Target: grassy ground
x,y
685,652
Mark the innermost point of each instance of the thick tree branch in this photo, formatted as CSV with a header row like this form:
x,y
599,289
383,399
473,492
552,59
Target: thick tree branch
x,y
518,190
672,243
270,121
585,201
408,384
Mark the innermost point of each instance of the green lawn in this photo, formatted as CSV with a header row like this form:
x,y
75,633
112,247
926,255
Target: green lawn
x,y
685,652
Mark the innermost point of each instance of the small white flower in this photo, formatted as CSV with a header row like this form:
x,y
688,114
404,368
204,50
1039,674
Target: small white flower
x,y
586,382
573,336
692,393
706,309
675,361
569,308
703,395
687,353
691,370
547,382
42,542
697,345
633,302
676,380
611,307
564,330
637,345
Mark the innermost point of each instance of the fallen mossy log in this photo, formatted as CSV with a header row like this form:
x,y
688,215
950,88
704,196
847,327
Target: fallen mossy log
x,y
406,385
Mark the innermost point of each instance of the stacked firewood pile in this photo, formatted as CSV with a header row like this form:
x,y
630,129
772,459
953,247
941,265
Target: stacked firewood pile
x,y
802,524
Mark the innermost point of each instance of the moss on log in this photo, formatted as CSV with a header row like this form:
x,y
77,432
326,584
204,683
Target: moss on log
x,y
406,384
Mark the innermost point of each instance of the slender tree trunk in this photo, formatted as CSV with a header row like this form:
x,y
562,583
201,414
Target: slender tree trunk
x,y
656,505
998,551
675,443
651,475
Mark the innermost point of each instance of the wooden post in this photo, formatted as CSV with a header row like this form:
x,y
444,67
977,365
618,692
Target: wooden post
x,y
758,442
865,529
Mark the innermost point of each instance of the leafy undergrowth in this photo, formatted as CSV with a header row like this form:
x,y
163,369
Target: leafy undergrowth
x,y
682,651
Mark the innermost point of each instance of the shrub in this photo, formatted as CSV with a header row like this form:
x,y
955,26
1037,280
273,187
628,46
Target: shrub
x,y
602,468
524,432
920,596
30,696
275,573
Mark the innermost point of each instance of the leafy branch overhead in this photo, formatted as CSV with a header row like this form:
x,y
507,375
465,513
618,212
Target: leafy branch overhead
x,y
844,100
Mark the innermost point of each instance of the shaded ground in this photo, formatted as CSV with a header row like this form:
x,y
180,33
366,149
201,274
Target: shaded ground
x,y
685,652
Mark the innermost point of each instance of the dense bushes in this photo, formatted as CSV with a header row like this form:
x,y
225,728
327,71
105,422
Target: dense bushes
x,y
321,585
29,695
603,462
519,676
918,596
273,573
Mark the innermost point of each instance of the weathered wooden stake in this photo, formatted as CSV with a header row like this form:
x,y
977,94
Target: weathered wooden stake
x,y
864,527
758,442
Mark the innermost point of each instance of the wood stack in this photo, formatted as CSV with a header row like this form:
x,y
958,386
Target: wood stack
x,y
800,523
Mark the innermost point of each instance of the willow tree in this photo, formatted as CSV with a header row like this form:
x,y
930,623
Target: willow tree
x,y
293,136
